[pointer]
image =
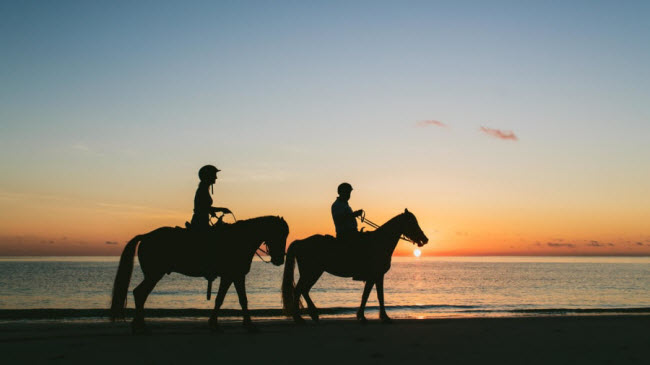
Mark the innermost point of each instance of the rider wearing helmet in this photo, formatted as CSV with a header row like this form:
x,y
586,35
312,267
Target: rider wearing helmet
x,y
342,214
203,208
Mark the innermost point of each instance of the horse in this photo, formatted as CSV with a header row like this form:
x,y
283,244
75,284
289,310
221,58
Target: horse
x,y
225,251
368,261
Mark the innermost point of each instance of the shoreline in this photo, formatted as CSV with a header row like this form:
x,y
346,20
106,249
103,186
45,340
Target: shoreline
x,y
584,339
401,312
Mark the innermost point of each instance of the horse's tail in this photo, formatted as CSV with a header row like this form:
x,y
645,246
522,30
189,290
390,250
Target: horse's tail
x,y
288,282
122,279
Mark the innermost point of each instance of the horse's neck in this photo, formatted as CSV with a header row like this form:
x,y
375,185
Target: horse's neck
x,y
391,232
253,235
255,232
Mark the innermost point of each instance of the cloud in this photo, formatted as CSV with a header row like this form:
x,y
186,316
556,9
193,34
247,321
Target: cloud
x,y
497,133
595,244
84,148
558,244
639,243
80,147
426,123
110,243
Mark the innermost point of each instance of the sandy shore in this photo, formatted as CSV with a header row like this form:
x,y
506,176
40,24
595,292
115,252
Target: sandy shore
x,y
538,340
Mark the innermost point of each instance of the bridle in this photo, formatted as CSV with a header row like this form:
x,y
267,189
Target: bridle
x,y
264,251
375,226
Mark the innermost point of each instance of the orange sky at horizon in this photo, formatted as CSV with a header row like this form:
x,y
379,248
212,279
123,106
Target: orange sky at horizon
x,y
67,226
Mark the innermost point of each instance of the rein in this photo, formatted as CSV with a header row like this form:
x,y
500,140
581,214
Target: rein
x,y
220,220
263,251
375,226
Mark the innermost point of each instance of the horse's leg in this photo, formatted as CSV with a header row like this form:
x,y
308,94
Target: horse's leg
x,y
224,285
240,286
140,294
364,299
313,311
380,296
300,287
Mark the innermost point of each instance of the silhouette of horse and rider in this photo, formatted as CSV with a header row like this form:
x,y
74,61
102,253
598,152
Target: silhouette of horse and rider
x,y
226,251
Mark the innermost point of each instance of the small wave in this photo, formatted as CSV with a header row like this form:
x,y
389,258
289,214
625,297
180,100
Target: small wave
x,y
581,310
59,314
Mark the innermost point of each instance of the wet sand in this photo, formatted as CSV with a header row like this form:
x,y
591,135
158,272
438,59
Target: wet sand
x,y
522,340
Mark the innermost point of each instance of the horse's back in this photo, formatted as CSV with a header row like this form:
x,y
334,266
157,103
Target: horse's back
x,y
317,241
341,257
161,247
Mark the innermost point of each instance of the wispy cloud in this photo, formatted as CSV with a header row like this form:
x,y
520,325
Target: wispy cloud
x,y
86,149
110,243
558,244
80,147
593,243
498,133
426,123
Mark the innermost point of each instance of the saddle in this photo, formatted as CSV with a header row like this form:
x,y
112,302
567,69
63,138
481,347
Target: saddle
x,y
209,276
356,244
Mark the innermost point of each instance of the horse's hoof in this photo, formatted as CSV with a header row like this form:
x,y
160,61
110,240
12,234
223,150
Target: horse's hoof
x,y
214,326
316,319
299,320
386,320
361,318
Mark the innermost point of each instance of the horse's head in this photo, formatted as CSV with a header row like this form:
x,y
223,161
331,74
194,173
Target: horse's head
x,y
278,241
411,229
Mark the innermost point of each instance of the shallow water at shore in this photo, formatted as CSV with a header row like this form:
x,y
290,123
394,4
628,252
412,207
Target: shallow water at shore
x,y
415,288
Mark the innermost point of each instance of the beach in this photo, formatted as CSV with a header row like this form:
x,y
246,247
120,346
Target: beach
x,y
620,339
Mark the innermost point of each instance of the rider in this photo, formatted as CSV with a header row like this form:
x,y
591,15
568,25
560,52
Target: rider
x,y
203,208
343,216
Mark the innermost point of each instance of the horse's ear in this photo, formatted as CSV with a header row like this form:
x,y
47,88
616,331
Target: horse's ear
x,y
406,210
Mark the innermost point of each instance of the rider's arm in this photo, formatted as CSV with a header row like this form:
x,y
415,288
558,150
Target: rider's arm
x,y
341,213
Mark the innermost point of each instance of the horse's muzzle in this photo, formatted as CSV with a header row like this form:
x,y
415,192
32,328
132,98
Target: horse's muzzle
x,y
278,262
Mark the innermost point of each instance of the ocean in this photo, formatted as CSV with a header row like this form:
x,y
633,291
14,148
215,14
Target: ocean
x,y
42,288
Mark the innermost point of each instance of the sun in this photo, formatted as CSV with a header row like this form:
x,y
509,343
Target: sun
x,y
417,252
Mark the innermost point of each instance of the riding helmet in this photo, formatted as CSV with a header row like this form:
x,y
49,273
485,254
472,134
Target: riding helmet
x,y
207,172
344,187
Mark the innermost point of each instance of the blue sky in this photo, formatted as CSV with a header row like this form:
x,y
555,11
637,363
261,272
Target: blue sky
x,y
120,103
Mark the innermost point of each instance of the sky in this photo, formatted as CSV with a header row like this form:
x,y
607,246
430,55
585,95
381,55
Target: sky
x,y
506,127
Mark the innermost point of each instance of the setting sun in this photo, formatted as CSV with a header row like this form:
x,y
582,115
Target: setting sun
x,y
417,252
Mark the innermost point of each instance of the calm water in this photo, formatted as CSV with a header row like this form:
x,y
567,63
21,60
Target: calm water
x,y
431,287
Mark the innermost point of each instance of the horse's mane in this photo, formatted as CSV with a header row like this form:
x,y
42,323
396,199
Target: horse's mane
x,y
266,220
259,219
392,221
